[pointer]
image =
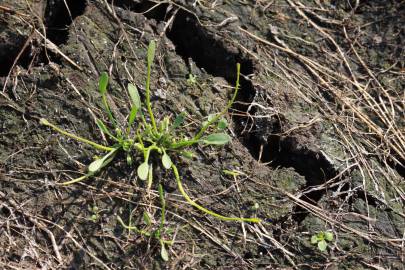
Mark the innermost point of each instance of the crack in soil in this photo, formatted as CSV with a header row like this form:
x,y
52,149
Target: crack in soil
x,y
217,58
59,15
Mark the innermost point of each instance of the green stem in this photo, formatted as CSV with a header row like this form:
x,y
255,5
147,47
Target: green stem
x,y
77,138
163,203
77,179
229,105
107,108
148,105
182,144
205,210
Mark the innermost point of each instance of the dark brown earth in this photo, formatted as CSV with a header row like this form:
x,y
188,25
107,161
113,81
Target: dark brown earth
x,y
318,133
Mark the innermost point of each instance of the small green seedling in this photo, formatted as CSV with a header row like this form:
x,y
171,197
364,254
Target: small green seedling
x,y
321,239
143,138
192,79
95,213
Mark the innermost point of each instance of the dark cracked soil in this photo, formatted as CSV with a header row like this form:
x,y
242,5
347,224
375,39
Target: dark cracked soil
x,y
318,133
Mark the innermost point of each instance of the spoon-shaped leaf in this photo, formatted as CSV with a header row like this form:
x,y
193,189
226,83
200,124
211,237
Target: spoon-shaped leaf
x,y
163,253
143,171
217,139
134,94
322,245
102,83
222,124
166,161
314,239
100,163
329,236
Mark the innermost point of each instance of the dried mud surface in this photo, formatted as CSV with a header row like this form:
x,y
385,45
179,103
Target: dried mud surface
x,y
306,168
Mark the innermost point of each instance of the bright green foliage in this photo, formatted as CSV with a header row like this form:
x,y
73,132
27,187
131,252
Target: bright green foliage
x,y
192,79
321,239
222,124
141,138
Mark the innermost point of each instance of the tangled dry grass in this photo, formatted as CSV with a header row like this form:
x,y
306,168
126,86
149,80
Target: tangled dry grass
x,y
362,102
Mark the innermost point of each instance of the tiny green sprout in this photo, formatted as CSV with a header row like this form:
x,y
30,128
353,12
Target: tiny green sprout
x,y
321,239
255,206
192,79
95,213
233,173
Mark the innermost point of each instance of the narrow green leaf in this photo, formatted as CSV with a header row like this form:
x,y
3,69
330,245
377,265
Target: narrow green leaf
x,y
146,218
143,170
151,52
104,128
217,139
187,154
329,236
233,173
322,245
166,161
163,253
134,94
314,239
222,124
132,115
178,120
103,82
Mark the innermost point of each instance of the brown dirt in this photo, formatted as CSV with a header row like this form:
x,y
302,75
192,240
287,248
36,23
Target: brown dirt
x,y
317,132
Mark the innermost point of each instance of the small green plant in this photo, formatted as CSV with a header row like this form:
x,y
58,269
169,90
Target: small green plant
x,y
321,239
95,213
147,137
192,79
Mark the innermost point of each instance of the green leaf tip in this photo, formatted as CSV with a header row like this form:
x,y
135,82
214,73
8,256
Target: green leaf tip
x,y
143,171
96,165
134,94
329,236
322,245
151,52
103,82
217,139
314,239
163,253
222,124
166,161
44,122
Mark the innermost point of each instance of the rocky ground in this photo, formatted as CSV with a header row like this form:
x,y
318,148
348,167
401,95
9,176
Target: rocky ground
x,y
317,133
